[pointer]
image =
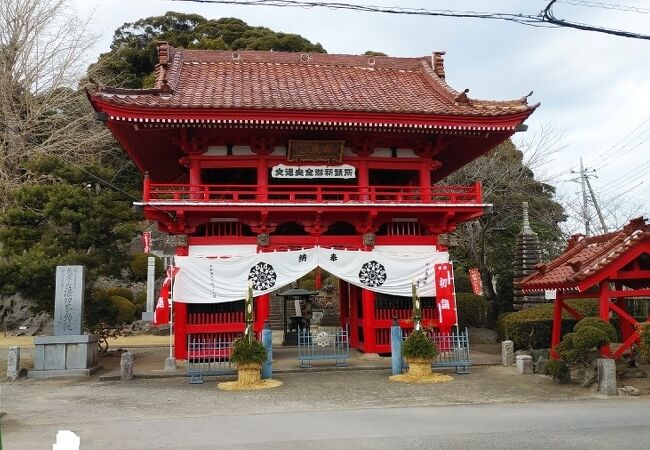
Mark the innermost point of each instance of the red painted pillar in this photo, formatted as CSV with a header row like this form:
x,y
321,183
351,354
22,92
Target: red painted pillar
x,y
354,316
179,317
195,178
262,177
368,305
146,187
364,181
180,330
344,305
425,181
603,310
557,325
627,329
262,308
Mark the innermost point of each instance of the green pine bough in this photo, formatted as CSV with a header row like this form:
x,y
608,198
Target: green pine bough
x,y
419,346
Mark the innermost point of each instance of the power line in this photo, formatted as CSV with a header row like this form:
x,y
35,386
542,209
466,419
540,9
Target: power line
x,y
623,138
602,5
545,19
548,16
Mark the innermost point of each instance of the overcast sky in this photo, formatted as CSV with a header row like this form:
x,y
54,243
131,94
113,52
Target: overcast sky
x,y
595,87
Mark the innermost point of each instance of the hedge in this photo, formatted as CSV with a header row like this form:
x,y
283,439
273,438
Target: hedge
x,y
125,310
121,292
138,266
472,310
531,328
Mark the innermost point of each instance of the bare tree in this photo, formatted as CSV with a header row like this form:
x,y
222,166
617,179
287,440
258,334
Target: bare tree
x,y
43,48
508,175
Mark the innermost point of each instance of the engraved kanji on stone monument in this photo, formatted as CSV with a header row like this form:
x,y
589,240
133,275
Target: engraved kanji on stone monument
x,y
69,300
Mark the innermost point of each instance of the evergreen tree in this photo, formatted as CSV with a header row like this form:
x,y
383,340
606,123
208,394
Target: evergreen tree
x,y
133,55
65,219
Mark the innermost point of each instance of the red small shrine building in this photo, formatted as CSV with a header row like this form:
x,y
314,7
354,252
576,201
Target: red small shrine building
x,y
612,267
249,152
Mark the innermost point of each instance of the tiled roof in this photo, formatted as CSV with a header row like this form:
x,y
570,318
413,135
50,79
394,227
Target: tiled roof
x,y
584,257
255,80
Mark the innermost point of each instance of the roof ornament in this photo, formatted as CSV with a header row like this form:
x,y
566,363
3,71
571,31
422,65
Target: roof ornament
x,y
163,52
462,97
165,88
438,63
304,57
524,99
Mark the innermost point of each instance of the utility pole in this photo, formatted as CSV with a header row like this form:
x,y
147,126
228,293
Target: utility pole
x,y
586,185
585,211
593,199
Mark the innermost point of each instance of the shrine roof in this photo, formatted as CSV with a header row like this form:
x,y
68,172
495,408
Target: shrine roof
x,y
274,81
586,257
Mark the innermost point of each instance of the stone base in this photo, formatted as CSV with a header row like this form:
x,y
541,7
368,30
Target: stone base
x,y
65,356
41,374
170,364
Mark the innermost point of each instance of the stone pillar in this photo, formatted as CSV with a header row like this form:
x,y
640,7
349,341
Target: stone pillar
x,y
507,353
13,363
151,278
524,365
126,366
267,340
396,348
606,376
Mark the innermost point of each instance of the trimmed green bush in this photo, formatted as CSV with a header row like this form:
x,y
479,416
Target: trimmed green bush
x,y
121,292
472,310
596,322
99,308
532,327
125,310
140,299
558,369
588,336
418,345
138,266
245,352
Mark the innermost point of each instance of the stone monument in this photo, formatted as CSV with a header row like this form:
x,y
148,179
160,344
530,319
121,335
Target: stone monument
x,y
151,278
527,255
68,352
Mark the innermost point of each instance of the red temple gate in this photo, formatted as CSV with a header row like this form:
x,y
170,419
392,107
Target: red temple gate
x,y
285,151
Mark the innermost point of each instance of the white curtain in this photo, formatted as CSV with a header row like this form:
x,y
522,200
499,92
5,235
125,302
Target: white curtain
x,y
203,279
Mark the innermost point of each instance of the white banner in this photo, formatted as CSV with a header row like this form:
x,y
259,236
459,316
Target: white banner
x,y
344,171
225,279
386,272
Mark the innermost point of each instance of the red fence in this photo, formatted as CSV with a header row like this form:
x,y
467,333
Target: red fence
x,y
311,194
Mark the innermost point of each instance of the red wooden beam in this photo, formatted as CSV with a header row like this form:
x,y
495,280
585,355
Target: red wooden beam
x,y
622,314
631,293
557,326
625,345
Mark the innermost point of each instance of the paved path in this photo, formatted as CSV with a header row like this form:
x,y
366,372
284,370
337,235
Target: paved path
x,y
492,405
583,424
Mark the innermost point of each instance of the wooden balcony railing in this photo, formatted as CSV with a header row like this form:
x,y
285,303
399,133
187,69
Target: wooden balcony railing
x,y
214,193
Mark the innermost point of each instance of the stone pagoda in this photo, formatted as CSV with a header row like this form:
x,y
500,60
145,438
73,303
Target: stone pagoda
x,y
527,255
